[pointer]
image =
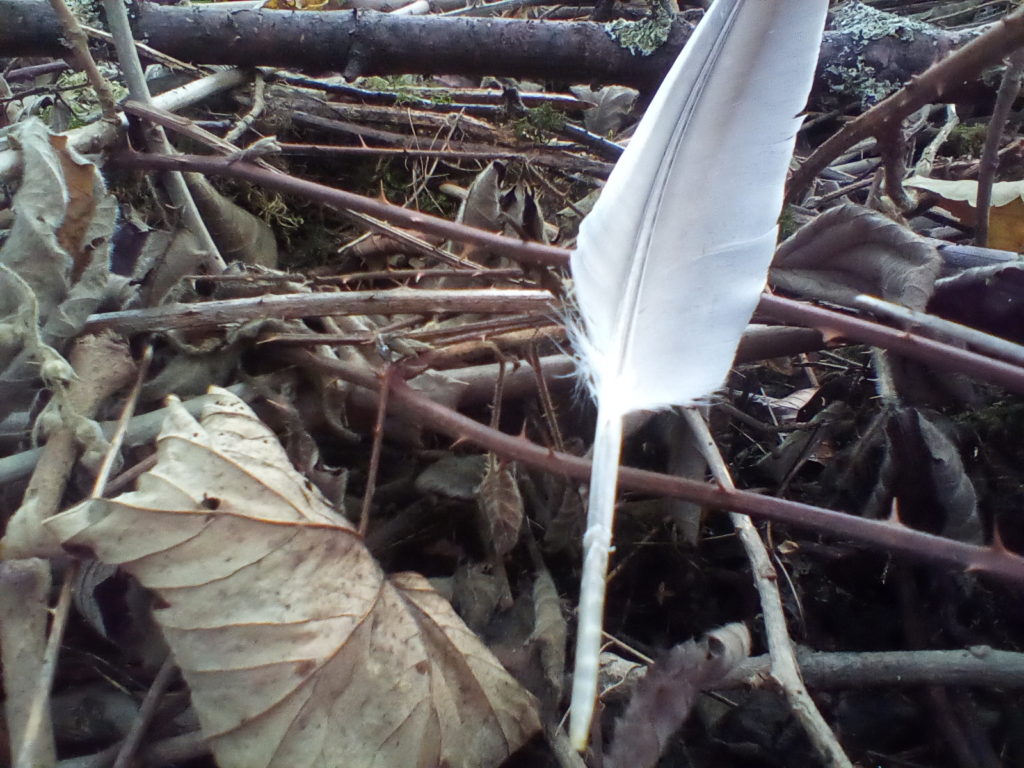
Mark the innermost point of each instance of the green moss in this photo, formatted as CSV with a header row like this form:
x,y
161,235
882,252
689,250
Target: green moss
x,y
409,90
1003,420
538,123
389,83
966,140
787,223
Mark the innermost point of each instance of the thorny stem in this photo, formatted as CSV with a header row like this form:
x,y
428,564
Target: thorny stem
x,y
931,352
941,328
892,536
917,347
544,393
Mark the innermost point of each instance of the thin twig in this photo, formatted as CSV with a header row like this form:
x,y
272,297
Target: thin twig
x,y
127,411
547,404
378,440
258,105
147,711
927,159
785,668
75,36
978,666
1009,88
174,182
212,314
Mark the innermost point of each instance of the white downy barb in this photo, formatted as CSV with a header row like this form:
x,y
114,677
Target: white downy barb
x,y
672,259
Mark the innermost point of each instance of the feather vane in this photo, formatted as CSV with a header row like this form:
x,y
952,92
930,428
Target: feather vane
x,y
672,259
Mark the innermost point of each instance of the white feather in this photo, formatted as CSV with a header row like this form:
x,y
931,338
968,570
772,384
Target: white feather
x,y
670,263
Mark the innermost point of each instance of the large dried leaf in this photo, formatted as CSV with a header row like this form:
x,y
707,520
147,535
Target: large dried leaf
x,y
239,235
493,202
549,632
850,250
482,207
297,649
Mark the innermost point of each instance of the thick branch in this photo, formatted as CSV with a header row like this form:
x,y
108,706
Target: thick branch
x,y
364,42
369,43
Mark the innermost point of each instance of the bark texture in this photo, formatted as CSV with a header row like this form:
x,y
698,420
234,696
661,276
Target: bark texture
x,y
368,43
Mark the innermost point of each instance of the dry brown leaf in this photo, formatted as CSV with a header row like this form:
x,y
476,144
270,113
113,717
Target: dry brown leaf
x,y
501,505
297,649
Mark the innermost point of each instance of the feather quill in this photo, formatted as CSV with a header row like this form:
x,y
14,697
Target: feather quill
x,y
671,261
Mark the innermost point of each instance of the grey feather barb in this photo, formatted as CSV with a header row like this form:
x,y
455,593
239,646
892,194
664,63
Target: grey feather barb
x,y
663,699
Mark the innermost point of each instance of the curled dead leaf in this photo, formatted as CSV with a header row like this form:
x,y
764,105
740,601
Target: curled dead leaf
x,y
850,250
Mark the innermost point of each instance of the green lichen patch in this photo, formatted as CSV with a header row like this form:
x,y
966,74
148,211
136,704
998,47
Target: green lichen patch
x,y
865,23
644,37
861,24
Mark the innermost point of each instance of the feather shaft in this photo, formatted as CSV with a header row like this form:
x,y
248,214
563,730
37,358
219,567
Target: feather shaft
x,y
670,263
597,543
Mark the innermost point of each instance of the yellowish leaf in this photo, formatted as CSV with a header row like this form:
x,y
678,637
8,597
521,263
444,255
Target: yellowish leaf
x,y
1006,214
